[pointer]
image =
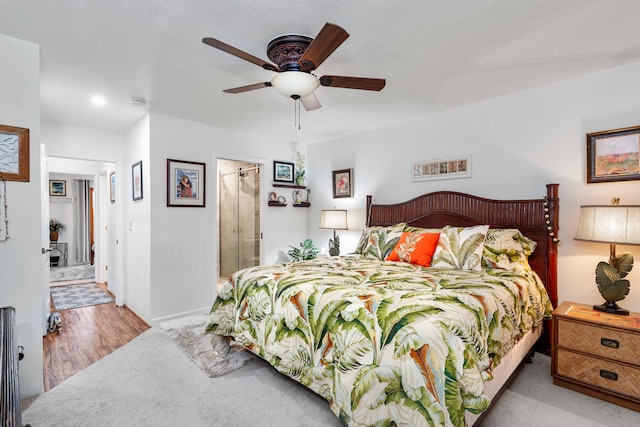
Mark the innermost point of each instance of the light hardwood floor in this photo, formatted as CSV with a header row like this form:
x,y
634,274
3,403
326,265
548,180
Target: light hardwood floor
x,y
87,335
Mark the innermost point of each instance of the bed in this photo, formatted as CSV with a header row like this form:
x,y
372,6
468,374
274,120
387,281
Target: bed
x,y
397,342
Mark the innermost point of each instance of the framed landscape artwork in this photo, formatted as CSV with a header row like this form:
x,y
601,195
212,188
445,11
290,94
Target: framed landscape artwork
x,y
185,183
283,172
613,155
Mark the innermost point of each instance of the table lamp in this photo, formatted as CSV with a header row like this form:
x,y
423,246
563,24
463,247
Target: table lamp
x,y
335,219
613,224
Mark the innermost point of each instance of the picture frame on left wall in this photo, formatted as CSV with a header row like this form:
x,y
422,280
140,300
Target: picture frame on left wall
x,y
112,187
136,180
14,153
185,184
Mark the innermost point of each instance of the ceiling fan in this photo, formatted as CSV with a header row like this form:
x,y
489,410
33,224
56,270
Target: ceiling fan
x,y
294,58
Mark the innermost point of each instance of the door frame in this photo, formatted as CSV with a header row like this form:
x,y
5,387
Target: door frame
x,y
115,275
216,235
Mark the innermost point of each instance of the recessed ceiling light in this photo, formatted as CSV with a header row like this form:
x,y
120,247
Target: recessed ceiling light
x,y
98,100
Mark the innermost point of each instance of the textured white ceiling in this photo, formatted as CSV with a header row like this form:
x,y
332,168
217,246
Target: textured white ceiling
x,y
435,54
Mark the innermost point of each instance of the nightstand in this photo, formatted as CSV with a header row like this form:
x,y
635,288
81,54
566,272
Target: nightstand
x,y
597,353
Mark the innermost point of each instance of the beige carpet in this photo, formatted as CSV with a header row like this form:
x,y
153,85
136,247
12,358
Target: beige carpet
x,y
152,382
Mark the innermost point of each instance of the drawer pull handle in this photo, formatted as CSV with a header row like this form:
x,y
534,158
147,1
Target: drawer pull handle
x,y
608,375
608,342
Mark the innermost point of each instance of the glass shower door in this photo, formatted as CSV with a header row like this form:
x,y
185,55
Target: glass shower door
x,y
239,216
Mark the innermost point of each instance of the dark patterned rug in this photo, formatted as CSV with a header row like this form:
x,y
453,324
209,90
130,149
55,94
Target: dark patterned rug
x,y
74,296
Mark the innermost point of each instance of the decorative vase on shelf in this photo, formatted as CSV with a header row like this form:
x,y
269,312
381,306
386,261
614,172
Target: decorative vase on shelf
x,y
300,179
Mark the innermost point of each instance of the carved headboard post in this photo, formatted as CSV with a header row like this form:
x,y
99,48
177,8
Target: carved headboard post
x,y
552,211
368,213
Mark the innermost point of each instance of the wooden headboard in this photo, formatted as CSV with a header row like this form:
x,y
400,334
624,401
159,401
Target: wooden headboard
x,y
535,218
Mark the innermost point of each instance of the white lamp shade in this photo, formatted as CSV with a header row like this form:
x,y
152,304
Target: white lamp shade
x,y
334,219
295,83
616,224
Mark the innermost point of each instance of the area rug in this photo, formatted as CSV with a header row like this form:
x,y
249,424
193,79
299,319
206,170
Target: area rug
x,y
214,355
75,296
81,272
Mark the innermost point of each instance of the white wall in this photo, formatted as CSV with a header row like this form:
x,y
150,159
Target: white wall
x,y
538,136
21,259
136,228
184,240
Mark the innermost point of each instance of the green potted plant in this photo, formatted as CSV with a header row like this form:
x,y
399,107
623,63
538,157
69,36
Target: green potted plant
x,y
308,251
55,229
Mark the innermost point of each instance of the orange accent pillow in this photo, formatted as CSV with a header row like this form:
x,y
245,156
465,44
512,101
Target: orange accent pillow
x,y
416,248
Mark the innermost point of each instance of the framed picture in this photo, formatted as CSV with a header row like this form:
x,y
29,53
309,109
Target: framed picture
x,y
343,183
57,187
449,168
185,183
112,186
613,155
136,180
14,153
283,172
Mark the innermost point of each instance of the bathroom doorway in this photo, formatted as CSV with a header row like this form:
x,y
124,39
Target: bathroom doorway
x,y
239,215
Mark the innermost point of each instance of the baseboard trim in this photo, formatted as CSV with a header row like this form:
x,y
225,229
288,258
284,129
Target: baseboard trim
x,y
204,310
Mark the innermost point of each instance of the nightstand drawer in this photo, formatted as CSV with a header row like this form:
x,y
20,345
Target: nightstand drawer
x,y
599,341
599,373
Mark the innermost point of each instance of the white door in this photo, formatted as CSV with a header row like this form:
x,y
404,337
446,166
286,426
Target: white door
x,y
45,242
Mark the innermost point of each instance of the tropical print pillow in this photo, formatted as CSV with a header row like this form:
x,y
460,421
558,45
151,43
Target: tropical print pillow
x,y
460,248
378,242
415,248
412,229
507,249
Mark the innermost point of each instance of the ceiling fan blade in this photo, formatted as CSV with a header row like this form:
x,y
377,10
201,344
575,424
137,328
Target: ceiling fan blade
x,y
328,39
239,53
310,102
248,87
362,83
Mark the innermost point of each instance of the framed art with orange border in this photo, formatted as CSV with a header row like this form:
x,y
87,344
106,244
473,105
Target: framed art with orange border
x,y
613,155
14,153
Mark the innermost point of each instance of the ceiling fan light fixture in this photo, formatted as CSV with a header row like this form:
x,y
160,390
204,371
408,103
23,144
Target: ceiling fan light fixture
x,y
295,84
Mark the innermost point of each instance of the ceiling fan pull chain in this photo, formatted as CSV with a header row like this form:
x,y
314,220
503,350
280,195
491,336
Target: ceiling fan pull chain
x,y
296,112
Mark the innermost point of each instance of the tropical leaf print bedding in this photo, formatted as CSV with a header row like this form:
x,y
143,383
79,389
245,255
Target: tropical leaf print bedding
x,y
386,343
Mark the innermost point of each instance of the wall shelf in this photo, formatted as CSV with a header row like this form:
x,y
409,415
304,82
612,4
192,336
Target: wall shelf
x,y
275,203
302,205
302,187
